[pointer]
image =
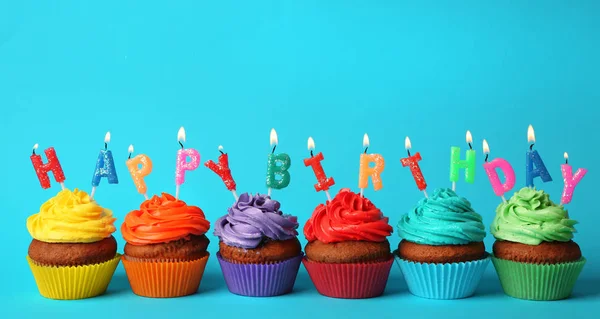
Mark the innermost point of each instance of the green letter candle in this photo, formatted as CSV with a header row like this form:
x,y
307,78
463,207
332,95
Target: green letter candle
x,y
456,164
277,166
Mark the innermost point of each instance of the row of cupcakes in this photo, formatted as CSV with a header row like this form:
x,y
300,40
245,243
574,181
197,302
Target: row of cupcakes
x,y
442,256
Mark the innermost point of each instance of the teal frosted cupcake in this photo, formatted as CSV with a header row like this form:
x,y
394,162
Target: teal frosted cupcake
x,y
534,254
441,254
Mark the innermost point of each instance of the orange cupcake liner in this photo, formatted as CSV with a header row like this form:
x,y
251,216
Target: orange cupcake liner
x,y
164,279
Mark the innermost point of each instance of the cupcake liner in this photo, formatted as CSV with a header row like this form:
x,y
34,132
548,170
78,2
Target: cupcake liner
x,y
73,282
260,280
349,281
164,278
538,281
443,281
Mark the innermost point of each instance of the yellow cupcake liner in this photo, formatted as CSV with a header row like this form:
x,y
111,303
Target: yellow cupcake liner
x,y
73,282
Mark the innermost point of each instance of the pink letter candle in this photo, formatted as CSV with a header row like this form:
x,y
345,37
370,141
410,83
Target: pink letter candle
x,y
570,180
139,167
183,164
490,169
42,169
323,182
366,170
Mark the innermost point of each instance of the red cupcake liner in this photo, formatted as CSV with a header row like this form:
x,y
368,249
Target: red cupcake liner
x,y
349,281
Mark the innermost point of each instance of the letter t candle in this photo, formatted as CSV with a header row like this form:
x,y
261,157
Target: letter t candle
x,y
413,163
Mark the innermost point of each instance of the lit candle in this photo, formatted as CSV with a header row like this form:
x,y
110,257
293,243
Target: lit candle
x,y
456,164
323,182
535,165
42,169
413,163
490,169
222,169
139,167
366,170
277,166
570,180
105,167
182,163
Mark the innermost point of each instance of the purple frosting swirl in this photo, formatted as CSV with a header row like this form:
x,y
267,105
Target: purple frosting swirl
x,y
253,219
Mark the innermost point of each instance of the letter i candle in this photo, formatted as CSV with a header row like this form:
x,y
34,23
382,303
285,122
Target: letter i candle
x,y
314,161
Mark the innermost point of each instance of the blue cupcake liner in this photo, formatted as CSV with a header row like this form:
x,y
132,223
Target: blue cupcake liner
x,y
443,281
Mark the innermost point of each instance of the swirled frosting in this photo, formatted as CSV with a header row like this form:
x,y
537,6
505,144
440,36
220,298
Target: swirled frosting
x,y
530,217
163,219
71,217
348,216
252,219
442,219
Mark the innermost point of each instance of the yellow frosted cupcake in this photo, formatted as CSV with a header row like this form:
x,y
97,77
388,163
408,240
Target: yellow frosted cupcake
x,y
73,254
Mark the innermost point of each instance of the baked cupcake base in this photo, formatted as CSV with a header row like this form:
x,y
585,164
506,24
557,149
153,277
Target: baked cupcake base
x,y
164,278
73,282
260,280
349,280
538,281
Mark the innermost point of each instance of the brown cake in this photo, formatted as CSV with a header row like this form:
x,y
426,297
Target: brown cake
x,y
423,253
544,253
348,251
73,254
191,248
271,251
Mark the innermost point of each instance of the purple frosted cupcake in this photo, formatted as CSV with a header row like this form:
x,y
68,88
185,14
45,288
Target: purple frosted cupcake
x,y
259,251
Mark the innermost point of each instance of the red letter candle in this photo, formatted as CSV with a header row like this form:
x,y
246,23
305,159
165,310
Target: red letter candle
x,y
323,182
413,163
222,169
42,169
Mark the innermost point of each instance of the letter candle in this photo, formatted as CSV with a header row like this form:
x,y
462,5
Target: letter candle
x,y
534,164
182,164
468,163
277,165
222,169
413,163
41,169
139,167
490,169
323,182
105,167
366,170
570,180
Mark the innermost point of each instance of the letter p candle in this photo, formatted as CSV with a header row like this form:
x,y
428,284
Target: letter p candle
x,y
183,164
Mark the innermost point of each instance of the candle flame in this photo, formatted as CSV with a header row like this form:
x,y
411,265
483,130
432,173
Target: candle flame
x,y
35,147
130,149
486,147
220,148
407,144
311,143
107,138
469,138
181,135
273,138
530,134
566,156
366,141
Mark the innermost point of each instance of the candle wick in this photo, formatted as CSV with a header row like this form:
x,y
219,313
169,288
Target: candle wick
x,y
274,147
486,157
408,151
531,147
566,161
180,144
221,152
129,156
105,146
33,152
366,148
470,147
311,153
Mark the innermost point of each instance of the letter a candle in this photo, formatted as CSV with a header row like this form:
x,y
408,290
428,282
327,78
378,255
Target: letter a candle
x,y
105,167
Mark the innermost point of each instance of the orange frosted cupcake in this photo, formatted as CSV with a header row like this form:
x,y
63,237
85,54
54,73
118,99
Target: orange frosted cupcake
x,y
165,254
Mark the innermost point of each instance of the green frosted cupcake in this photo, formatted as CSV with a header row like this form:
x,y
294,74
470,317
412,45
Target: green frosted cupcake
x,y
534,254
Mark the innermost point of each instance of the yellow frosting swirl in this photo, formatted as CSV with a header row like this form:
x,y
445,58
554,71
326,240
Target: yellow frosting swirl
x,y
71,217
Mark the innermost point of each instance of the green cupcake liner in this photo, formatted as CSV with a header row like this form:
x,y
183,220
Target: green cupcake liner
x,y
538,281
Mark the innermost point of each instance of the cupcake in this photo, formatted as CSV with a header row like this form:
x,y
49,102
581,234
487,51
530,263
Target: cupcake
x,y
441,254
259,251
348,255
534,254
165,254
73,254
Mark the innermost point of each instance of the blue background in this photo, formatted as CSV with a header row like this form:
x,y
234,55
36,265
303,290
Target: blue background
x,y
229,71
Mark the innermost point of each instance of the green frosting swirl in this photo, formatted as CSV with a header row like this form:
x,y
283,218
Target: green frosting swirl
x,y
530,217
442,219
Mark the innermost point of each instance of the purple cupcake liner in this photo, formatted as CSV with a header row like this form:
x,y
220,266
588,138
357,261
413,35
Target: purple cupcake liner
x,y
260,280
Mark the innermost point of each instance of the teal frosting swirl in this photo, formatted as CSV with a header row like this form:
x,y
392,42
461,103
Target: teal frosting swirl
x,y
530,217
442,219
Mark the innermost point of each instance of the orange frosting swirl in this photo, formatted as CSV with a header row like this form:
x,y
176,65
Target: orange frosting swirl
x,y
163,219
347,217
